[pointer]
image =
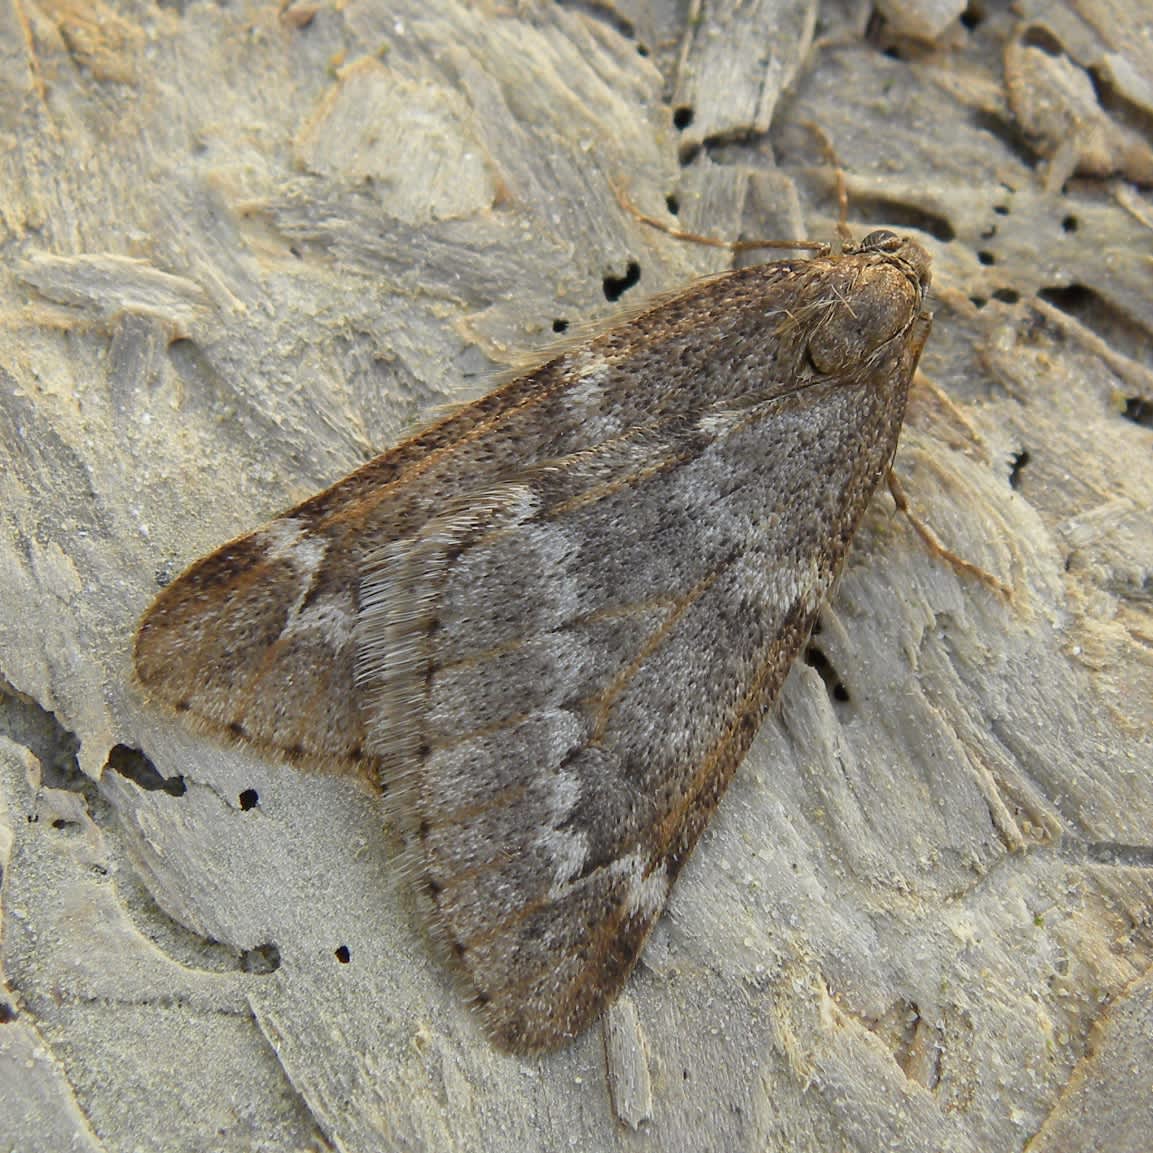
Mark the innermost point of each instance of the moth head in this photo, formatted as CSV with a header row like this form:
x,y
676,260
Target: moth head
x,y
900,250
878,291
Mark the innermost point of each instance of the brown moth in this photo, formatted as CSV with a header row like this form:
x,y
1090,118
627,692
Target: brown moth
x,y
553,621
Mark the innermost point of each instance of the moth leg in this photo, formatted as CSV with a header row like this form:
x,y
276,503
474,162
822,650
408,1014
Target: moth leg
x,y
949,409
816,246
935,545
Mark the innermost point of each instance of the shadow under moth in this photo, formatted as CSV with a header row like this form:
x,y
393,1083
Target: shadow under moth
x,y
551,623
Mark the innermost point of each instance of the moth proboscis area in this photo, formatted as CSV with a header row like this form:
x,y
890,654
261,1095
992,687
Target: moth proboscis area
x,y
553,621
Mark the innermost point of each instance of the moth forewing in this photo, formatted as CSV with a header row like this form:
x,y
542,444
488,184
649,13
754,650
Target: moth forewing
x,y
558,616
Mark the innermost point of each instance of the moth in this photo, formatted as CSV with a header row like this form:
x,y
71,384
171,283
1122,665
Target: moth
x,y
551,623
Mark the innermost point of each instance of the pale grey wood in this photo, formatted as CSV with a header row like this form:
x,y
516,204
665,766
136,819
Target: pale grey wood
x,y
234,269
736,59
627,1064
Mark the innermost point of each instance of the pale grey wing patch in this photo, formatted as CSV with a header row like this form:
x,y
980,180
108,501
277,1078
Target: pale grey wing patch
x,y
476,694
505,589
401,589
491,806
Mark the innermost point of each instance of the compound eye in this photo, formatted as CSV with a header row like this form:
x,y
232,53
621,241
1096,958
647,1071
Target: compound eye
x,y
882,240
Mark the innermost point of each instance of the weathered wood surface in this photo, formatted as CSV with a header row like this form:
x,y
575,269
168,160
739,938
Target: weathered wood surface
x,y
245,248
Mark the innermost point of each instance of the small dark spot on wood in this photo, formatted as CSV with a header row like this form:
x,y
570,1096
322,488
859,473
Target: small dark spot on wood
x,y
7,1013
1017,463
688,153
237,730
672,203
559,325
342,954
249,799
817,660
424,828
682,117
986,257
1001,209
978,301
616,286
1070,224
1007,295
1139,410
972,17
